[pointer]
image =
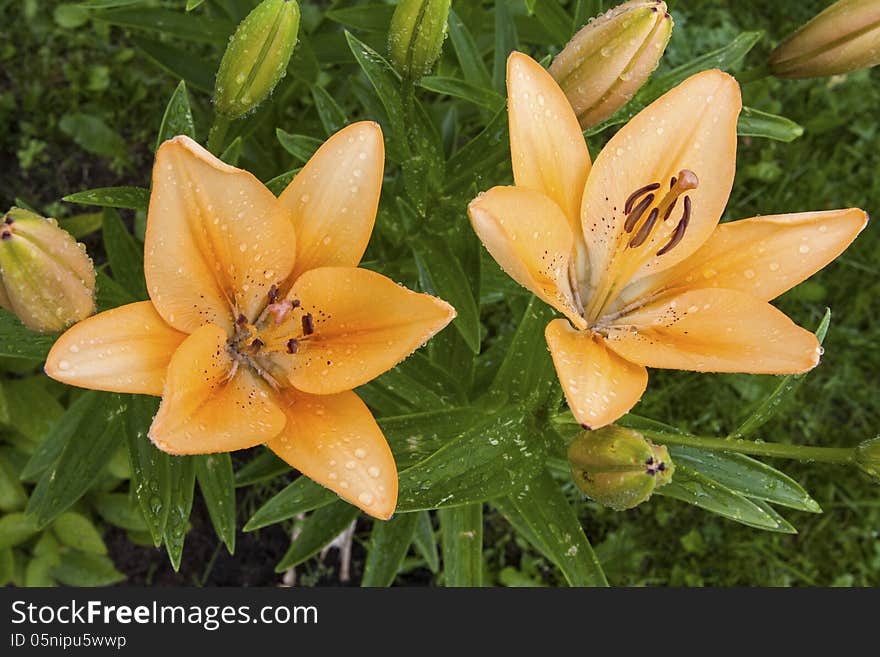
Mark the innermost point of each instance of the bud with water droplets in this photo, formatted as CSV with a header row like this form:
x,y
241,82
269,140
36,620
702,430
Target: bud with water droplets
x,y
611,57
256,57
867,457
415,38
843,38
46,278
618,467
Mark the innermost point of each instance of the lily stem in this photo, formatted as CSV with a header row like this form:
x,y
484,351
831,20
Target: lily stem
x,y
217,135
754,448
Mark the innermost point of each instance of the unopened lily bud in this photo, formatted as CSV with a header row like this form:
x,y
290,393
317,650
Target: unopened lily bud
x,y
617,467
843,38
415,38
46,278
611,57
256,57
867,457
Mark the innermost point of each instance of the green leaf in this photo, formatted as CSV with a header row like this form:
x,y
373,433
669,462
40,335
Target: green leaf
x,y
755,123
87,450
550,523
300,146
80,225
170,23
62,431
298,497
83,569
92,134
120,510
16,528
479,156
695,488
527,375
332,116
192,4
316,531
129,198
461,529
491,458
555,20
469,58
263,467
389,543
506,41
110,294
76,531
125,255
150,467
181,475
217,483
466,91
177,119
747,476
371,17
232,153
783,391
416,436
7,566
32,410
179,62
425,542
18,341
279,183
12,494
385,81
38,572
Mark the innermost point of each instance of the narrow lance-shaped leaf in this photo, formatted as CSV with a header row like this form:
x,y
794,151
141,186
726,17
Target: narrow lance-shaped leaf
x,y
84,455
469,57
321,527
755,123
461,529
553,528
125,255
389,543
150,467
177,119
783,391
181,474
51,447
18,341
425,542
298,497
128,198
217,483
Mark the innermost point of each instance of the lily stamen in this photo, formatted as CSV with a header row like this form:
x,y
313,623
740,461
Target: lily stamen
x,y
680,229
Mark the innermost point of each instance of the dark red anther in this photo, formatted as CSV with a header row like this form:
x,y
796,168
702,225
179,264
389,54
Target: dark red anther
x,y
292,346
308,324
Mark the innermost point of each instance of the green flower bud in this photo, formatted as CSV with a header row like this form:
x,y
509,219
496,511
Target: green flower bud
x,y
843,38
611,57
46,278
256,57
867,457
415,38
618,467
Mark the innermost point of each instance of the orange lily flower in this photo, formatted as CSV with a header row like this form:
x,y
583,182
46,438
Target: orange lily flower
x,y
630,249
259,323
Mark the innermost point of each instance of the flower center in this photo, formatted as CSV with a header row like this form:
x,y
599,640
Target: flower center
x,y
280,329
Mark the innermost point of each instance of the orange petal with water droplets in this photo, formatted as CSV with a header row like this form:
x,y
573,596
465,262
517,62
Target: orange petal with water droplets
x,y
334,440
126,349
216,238
209,404
691,127
364,324
531,240
547,147
714,330
763,256
600,386
333,199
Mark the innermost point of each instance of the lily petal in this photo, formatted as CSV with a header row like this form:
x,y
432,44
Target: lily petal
x,y
762,256
547,147
714,330
334,440
333,199
211,405
217,239
126,349
691,127
599,385
530,239
363,325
